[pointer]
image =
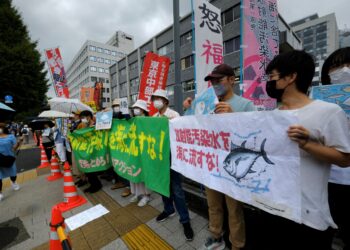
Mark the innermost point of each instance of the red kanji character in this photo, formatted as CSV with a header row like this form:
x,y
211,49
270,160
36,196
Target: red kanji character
x,y
224,138
193,157
204,138
212,50
179,153
189,138
215,140
196,136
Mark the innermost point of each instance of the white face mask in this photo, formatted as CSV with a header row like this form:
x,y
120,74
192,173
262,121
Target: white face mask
x,y
84,120
340,75
158,104
137,112
116,109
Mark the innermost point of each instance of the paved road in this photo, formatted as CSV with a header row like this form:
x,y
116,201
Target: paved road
x,y
28,159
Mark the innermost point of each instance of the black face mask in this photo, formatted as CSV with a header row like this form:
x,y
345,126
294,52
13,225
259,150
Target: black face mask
x,y
272,91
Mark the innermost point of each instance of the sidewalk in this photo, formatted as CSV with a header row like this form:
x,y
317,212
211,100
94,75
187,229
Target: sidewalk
x,y
127,226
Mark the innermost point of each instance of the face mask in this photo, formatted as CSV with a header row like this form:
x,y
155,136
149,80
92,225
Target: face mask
x,y
272,91
84,120
158,104
116,109
340,75
137,112
220,89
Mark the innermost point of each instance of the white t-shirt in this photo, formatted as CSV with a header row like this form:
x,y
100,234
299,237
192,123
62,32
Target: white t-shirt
x,y
340,175
168,113
327,124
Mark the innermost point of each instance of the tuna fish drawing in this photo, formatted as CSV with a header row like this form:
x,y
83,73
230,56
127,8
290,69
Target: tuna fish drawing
x,y
240,161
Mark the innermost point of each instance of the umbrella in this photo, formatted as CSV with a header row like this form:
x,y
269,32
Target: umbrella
x,y
66,105
54,114
5,107
38,124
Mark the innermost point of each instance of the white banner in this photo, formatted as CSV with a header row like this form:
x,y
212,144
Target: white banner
x,y
124,106
247,156
208,41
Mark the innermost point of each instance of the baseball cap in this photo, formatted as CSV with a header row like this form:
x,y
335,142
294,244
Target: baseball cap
x,y
220,71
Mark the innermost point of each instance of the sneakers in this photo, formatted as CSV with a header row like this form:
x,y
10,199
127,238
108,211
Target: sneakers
x,y
133,199
163,216
1,196
15,186
145,199
188,231
212,243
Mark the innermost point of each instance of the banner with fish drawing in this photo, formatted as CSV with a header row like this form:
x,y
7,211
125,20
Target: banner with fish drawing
x,y
140,151
90,149
247,156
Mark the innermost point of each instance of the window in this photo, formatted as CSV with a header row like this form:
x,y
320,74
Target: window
x,y
107,90
122,72
308,32
101,70
171,68
134,82
93,58
107,61
231,45
107,71
99,50
166,49
227,16
170,90
103,99
100,59
113,53
186,38
92,48
308,40
113,61
188,86
236,11
134,97
93,69
94,79
103,90
133,66
321,36
321,44
187,62
107,51
321,28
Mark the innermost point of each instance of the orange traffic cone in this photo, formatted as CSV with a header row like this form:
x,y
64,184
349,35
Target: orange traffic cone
x,y
71,197
44,162
55,169
57,230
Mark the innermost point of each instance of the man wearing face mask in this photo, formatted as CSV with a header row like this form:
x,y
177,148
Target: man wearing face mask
x,y
335,70
222,79
177,195
117,113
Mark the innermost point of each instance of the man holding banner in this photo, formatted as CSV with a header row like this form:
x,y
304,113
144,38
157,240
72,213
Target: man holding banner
x,y
222,79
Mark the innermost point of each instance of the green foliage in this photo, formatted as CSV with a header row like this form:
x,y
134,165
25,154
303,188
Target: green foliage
x,y
22,72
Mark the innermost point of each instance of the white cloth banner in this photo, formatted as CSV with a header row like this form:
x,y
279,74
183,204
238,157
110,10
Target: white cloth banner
x,y
247,156
208,41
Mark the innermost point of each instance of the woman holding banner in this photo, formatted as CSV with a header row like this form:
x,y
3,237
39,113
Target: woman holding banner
x,y
139,190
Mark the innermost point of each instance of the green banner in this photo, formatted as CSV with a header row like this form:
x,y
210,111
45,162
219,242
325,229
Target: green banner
x,y
90,148
140,151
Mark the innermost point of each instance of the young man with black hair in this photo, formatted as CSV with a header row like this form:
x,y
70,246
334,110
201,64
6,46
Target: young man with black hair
x,y
323,138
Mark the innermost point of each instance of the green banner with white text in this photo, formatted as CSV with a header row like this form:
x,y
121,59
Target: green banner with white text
x,y
140,151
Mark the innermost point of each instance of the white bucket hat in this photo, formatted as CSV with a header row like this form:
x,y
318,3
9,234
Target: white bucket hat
x,y
141,104
116,102
160,93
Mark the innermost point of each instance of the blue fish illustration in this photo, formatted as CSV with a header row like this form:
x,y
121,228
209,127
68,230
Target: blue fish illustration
x,y
240,161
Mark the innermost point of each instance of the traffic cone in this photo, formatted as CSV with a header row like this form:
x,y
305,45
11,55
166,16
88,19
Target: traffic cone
x,y
55,169
70,194
44,162
58,230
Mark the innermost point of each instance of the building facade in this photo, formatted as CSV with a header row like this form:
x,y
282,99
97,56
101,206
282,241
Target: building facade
x,y
91,64
320,38
344,38
125,74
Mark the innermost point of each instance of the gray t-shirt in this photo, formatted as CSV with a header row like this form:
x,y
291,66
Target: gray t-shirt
x,y
240,104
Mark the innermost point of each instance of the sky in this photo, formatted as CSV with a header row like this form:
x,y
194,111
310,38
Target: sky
x,y
69,23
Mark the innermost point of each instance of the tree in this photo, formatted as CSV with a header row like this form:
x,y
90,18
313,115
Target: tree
x,y
22,72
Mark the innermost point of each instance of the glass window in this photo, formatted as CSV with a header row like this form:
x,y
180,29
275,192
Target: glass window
x,y
113,53
321,28
187,62
101,70
308,32
107,71
122,72
99,50
166,49
237,11
134,97
92,48
113,61
308,40
321,36
227,16
321,44
231,45
107,51
186,38
93,69
100,59
188,86
170,90
107,90
93,58
107,61
133,66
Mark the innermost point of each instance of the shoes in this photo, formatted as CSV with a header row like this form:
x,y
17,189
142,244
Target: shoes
x,y
1,196
92,189
80,183
188,231
212,243
126,192
133,199
15,186
163,216
106,177
118,185
145,199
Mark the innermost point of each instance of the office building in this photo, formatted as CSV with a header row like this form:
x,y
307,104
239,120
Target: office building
x,y
344,38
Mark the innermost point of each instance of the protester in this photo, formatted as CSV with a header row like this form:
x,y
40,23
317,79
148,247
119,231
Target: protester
x,y
75,121
222,79
120,182
48,140
322,135
336,69
87,120
25,132
8,145
59,144
177,195
139,190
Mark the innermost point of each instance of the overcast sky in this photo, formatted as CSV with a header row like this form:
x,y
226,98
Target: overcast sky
x,y
69,23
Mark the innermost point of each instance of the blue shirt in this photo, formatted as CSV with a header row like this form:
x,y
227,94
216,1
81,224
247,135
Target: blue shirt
x,y
240,104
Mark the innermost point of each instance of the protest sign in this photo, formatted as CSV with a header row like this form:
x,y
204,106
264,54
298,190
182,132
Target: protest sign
x,y
124,105
104,120
204,103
